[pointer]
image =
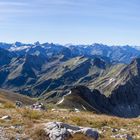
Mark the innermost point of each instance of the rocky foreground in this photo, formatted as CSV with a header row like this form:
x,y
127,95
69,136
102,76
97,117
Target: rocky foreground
x,y
62,124
63,131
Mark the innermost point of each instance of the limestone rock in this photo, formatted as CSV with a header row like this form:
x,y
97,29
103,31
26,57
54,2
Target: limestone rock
x,y
6,118
62,131
38,106
19,104
123,136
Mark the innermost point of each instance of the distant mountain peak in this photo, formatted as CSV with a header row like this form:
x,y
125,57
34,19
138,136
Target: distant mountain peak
x,y
37,43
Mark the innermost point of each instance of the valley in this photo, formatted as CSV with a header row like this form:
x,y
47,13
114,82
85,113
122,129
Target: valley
x,y
105,81
95,86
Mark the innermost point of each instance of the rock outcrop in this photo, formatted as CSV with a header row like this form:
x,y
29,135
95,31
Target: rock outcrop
x,y
38,106
62,131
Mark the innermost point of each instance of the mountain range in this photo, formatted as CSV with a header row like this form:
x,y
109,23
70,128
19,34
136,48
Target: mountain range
x,y
96,77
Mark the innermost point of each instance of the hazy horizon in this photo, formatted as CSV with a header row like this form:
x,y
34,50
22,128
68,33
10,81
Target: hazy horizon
x,y
70,22
63,44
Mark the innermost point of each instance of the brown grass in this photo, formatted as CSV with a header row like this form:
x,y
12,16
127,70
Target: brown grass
x,y
29,119
39,134
9,105
79,136
31,114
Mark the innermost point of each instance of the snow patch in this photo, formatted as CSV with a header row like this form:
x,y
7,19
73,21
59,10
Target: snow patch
x,y
111,80
84,107
68,93
19,48
61,101
77,110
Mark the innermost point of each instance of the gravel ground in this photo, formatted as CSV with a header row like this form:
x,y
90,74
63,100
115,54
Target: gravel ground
x,y
2,134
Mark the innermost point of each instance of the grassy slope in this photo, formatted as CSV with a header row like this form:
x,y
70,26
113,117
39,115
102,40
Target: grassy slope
x,y
31,121
7,96
73,101
102,82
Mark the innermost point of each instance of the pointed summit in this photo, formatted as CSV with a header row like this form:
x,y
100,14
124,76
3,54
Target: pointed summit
x,y
37,43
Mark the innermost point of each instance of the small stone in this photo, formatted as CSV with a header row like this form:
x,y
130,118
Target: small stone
x,y
19,104
114,130
123,130
6,118
129,137
38,106
123,136
90,133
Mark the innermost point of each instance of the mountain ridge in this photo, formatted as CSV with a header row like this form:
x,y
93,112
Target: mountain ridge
x,y
109,76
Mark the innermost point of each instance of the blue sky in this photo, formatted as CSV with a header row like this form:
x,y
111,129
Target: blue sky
x,y
71,21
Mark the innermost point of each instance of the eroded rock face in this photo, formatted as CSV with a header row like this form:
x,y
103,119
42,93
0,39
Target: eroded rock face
x,y
122,102
62,131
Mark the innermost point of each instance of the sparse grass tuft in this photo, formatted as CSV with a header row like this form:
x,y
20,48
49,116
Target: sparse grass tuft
x,y
80,136
39,134
33,121
31,114
9,105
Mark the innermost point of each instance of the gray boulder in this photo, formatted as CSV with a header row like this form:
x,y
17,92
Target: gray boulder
x,y
90,132
19,104
38,106
123,136
56,132
62,131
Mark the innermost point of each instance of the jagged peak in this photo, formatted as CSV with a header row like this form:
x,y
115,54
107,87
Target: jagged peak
x,y
136,61
37,43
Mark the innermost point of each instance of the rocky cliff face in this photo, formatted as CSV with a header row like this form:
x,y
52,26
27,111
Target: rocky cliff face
x,y
119,96
6,57
118,103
